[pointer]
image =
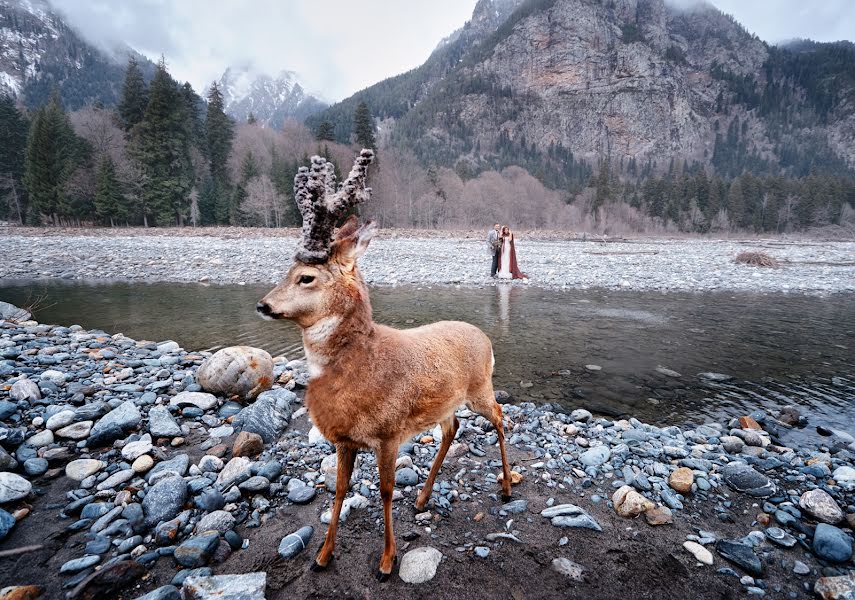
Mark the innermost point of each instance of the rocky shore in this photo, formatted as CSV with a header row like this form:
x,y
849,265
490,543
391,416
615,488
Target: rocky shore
x,y
122,477
424,258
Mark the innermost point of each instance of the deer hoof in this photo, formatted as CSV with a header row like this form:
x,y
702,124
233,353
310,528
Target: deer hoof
x,y
506,497
317,567
382,577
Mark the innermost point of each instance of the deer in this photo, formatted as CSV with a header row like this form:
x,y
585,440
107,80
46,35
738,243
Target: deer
x,y
372,387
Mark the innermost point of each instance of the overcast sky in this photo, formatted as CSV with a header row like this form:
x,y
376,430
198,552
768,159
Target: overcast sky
x,y
341,46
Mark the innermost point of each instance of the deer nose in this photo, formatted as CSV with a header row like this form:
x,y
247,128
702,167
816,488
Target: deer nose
x,y
263,308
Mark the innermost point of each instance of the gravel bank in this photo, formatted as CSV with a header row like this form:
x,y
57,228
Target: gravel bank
x,y
679,265
126,473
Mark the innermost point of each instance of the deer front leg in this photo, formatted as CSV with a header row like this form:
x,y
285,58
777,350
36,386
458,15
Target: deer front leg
x,y
345,457
449,430
386,465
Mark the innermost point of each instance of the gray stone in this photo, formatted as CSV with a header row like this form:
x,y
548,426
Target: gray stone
x,y
166,592
161,423
197,550
13,487
831,543
515,507
75,431
80,469
249,586
236,470
7,522
117,478
419,565
743,478
741,555
406,477
301,494
821,506
78,564
267,416
25,389
178,464
200,400
164,500
126,416
294,543
219,520
34,467
574,571
595,456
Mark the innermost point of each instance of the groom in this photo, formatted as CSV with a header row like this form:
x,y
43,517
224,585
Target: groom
x,y
494,247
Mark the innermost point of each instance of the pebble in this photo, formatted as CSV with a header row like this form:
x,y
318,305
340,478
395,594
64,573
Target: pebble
x,y
572,570
197,550
302,494
821,506
13,487
419,565
78,564
248,586
142,464
741,555
831,543
629,503
701,554
294,543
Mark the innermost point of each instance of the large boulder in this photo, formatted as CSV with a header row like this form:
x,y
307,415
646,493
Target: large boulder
x,y
10,312
267,416
238,370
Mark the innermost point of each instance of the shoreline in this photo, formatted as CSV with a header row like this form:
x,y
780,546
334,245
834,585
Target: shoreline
x,y
691,265
562,522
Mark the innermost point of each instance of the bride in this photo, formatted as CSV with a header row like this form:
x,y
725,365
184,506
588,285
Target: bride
x,y
508,263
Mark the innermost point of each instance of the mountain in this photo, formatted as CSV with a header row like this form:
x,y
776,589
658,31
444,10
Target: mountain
x,y
271,100
558,86
392,98
39,51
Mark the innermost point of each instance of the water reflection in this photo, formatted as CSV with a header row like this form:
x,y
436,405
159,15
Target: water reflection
x,y
545,337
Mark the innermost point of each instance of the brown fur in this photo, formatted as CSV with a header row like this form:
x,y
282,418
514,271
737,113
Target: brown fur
x,y
373,386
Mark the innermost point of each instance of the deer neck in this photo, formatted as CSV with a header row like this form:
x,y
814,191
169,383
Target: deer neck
x,y
333,337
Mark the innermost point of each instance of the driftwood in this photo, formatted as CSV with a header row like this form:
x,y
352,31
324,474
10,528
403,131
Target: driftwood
x,y
21,550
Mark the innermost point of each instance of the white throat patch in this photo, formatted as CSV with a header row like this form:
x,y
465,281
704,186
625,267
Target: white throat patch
x,y
317,334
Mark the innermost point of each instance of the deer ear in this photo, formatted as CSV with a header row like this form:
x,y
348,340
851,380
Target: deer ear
x,y
351,242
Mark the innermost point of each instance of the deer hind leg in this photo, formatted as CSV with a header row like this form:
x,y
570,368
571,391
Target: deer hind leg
x,y
449,430
386,456
345,457
485,405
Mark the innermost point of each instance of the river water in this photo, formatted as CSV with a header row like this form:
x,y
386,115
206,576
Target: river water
x,y
779,349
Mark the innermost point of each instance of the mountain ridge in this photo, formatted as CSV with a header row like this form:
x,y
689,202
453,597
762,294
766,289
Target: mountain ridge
x,y
638,83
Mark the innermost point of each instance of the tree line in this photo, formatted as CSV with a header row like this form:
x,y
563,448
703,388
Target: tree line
x,y
161,157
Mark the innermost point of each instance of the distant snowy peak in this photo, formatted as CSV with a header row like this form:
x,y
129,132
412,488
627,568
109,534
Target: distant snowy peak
x,y
272,100
27,28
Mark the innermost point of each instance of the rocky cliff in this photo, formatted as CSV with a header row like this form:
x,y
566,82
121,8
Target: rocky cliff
x,y
638,82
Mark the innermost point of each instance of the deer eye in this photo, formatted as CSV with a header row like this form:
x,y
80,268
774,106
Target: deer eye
x,y
306,279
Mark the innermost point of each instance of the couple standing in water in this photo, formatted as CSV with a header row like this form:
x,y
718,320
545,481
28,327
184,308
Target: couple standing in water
x,y
500,244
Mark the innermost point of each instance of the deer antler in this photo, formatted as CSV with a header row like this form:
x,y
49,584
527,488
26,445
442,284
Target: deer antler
x,y
322,206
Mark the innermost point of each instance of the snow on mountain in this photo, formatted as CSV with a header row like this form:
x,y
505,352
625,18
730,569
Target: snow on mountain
x,y
272,100
39,52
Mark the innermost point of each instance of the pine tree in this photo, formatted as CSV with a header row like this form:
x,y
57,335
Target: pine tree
x,y
134,96
13,132
208,202
219,132
363,127
324,132
160,145
251,120
109,204
53,152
